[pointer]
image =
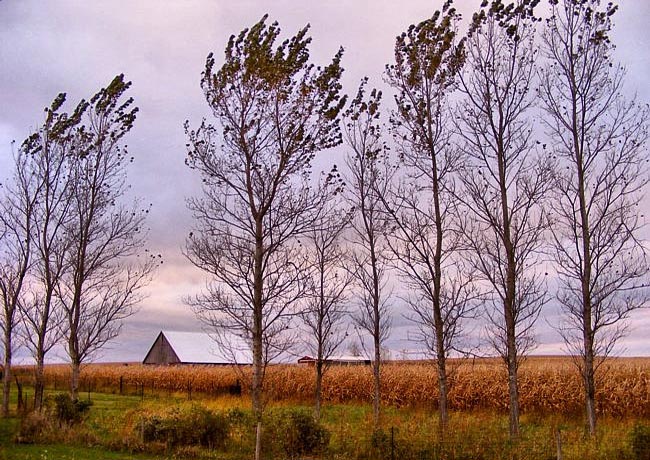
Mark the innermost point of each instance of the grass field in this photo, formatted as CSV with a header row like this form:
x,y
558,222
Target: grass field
x,y
115,424
108,433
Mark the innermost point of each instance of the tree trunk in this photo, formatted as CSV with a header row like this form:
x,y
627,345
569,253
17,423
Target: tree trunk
x,y
376,365
443,417
587,332
6,376
376,400
258,361
510,289
512,354
318,391
257,395
39,381
513,392
511,351
589,383
75,366
437,292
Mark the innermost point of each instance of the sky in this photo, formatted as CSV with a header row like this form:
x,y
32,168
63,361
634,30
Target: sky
x,y
77,47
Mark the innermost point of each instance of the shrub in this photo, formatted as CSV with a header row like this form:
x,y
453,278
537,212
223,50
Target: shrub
x,y
640,441
382,445
32,427
296,432
65,409
55,422
240,418
192,427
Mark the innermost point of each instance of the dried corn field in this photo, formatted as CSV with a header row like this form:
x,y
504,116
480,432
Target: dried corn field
x,y
547,385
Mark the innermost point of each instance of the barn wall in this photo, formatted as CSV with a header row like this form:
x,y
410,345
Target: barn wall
x,y
161,353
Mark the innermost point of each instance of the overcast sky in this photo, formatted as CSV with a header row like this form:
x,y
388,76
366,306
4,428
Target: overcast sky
x,y
47,47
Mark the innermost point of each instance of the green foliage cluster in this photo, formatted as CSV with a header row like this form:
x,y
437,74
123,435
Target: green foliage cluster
x,y
288,433
32,428
186,427
295,433
67,410
60,415
640,442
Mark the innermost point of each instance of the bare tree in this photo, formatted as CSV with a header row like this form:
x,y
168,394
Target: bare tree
x,y
505,182
325,308
16,215
601,142
276,110
422,207
107,263
368,262
47,151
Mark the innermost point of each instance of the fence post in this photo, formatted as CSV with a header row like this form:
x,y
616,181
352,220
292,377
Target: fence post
x,y
558,441
121,385
392,443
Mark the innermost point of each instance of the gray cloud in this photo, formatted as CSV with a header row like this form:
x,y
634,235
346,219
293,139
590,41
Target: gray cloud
x,y
78,46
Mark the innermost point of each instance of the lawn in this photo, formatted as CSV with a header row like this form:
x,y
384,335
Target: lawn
x,y
114,429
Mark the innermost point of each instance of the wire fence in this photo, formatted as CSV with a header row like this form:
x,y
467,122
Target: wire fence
x,y
539,440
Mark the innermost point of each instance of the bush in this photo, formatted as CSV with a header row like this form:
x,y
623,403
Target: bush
x,y
239,418
32,428
640,441
193,427
382,445
65,409
296,432
55,422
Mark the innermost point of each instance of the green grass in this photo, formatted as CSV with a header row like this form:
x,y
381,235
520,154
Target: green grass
x,y
107,411
63,452
407,433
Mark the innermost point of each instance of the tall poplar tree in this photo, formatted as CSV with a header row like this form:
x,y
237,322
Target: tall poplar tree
x,y
600,139
107,264
367,162
275,110
505,181
423,205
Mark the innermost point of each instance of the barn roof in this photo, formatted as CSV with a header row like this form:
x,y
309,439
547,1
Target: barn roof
x,y
201,348
337,359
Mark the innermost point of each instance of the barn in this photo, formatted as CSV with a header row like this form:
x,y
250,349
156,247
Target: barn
x,y
342,360
172,347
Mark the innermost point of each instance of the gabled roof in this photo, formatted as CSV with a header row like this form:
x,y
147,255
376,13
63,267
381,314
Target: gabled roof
x,y
337,359
201,348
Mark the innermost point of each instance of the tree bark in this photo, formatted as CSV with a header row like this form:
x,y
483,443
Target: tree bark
x,y
258,362
319,388
39,381
441,357
376,365
74,380
590,395
443,416
6,376
376,377
513,392
587,328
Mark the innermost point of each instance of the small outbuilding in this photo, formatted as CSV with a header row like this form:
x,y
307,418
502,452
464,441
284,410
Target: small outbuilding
x,y
343,360
171,347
